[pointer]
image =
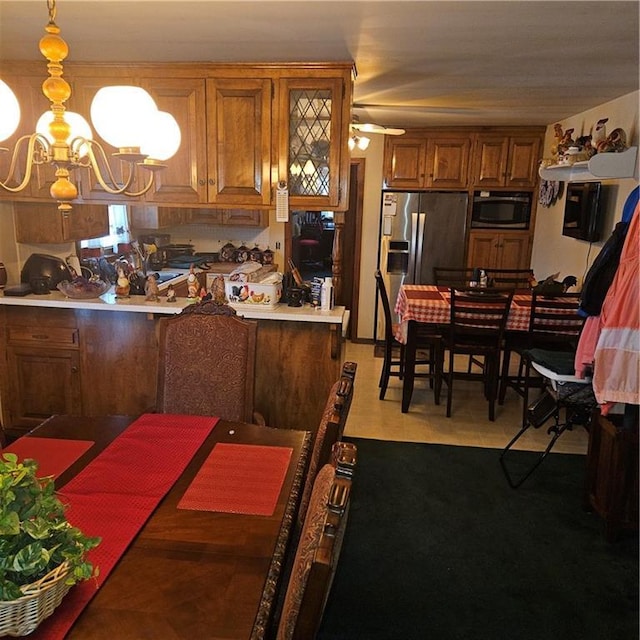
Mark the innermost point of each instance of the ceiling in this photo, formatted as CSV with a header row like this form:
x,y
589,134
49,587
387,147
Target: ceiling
x,y
422,63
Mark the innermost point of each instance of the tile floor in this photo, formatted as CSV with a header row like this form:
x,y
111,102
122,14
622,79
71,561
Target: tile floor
x,y
425,422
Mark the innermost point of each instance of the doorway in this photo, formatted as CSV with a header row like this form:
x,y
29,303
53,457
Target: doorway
x,y
322,231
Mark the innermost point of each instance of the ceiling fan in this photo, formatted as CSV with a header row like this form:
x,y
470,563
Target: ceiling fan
x,y
369,127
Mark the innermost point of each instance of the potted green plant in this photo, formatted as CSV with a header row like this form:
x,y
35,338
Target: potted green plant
x,y
41,554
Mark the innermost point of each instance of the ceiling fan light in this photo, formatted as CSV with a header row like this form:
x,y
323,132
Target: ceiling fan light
x,y
363,142
10,110
120,115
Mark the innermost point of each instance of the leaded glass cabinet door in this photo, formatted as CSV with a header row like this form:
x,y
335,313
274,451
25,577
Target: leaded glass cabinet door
x,y
313,111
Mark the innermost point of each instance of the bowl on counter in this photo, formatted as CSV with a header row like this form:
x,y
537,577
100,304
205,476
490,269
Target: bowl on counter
x,y
83,289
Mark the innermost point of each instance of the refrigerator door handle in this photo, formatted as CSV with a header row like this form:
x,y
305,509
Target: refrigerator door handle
x,y
421,222
411,275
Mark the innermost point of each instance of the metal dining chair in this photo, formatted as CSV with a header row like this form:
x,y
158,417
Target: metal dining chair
x,y
452,276
428,340
510,278
478,319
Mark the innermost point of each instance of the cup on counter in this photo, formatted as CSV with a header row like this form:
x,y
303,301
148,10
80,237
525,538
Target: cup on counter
x,y
294,296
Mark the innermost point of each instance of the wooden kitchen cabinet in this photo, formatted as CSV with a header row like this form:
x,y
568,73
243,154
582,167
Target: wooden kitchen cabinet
x,y
313,133
505,161
152,217
427,162
404,162
37,223
42,375
239,124
506,250
225,150
33,104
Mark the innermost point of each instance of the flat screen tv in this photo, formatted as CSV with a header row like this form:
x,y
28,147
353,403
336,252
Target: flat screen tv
x,y
582,211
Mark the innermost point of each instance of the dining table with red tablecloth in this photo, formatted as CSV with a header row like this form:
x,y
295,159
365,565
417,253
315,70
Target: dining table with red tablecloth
x,y
430,304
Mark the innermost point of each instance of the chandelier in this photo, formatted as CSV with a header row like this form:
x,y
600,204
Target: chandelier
x,y
126,117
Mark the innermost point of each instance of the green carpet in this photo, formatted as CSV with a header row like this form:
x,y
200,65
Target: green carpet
x,y
438,546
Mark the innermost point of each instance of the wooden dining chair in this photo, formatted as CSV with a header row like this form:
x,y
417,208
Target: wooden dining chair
x,y
477,322
428,340
206,363
554,325
330,431
317,554
509,278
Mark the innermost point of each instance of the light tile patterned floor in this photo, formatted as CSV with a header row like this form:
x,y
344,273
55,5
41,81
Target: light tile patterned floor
x,y
426,422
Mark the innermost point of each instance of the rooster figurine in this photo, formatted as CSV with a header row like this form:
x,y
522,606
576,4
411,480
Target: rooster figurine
x,y
552,287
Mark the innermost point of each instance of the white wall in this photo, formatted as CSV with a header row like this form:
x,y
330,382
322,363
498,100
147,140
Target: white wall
x,y
554,252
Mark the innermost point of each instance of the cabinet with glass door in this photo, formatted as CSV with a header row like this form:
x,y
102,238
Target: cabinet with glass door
x,y
314,158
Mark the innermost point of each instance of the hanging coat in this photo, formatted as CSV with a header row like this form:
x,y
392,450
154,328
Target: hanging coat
x,y
617,356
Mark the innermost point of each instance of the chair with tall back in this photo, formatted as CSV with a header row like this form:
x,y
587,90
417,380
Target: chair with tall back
x,y
330,431
428,339
318,551
207,363
452,276
554,325
509,278
478,318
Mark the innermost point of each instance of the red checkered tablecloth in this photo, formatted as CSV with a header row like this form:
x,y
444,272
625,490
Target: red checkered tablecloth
x,y
432,305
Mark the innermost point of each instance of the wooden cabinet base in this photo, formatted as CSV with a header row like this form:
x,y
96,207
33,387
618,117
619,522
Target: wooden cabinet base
x,y
111,369
612,474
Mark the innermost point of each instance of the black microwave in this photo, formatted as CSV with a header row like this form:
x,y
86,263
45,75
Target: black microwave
x,y
501,210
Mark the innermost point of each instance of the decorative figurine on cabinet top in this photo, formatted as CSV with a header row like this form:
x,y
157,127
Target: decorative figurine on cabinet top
x,y
193,286
171,294
122,284
151,289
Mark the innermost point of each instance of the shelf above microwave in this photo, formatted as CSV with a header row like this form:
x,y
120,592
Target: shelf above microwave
x,y
600,167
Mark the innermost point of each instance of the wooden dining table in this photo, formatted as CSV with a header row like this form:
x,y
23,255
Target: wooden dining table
x,y
189,572
431,304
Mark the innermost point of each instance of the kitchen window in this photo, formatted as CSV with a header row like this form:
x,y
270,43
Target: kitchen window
x,y
118,230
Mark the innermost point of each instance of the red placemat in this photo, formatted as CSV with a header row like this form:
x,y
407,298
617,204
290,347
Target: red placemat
x,y
116,493
239,478
54,456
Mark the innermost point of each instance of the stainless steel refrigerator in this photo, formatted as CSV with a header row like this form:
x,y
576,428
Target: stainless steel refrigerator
x,y
417,232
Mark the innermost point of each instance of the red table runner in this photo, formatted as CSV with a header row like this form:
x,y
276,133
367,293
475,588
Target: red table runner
x,y
53,455
116,493
239,478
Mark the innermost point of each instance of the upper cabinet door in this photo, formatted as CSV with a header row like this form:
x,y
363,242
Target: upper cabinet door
x,y
239,141
184,178
448,162
503,161
405,160
312,136
524,157
490,160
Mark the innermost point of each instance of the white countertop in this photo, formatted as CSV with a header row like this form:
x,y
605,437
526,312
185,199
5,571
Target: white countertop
x,y
137,304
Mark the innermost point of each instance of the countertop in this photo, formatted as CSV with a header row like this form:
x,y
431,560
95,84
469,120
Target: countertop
x,y
138,304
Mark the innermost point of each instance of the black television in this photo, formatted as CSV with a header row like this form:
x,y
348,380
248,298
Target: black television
x,y
583,211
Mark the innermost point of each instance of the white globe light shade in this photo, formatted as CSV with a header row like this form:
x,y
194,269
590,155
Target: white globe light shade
x,y
162,138
9,110
79,128
120,115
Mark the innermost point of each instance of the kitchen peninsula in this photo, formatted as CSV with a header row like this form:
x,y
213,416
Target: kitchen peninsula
x,y
99,357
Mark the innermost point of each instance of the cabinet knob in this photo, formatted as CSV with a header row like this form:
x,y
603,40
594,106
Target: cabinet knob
x,y
74,369
212,181
202,182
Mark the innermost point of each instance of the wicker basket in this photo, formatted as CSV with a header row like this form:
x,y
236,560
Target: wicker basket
x,y
20,617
